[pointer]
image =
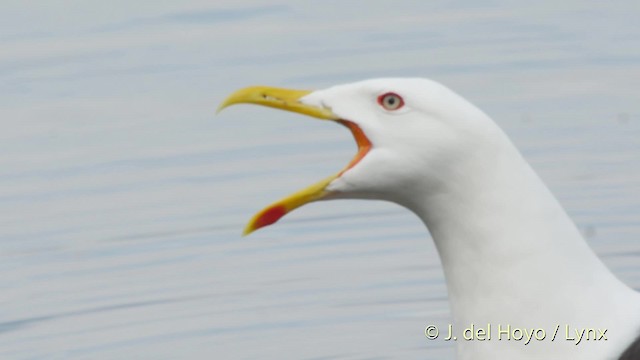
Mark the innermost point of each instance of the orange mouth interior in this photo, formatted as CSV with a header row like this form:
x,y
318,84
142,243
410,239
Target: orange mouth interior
x,y
364,145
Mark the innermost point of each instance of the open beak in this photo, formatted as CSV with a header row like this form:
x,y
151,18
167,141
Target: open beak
x,y
286,99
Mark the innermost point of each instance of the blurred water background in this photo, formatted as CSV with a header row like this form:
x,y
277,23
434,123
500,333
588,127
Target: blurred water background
x,y
122,197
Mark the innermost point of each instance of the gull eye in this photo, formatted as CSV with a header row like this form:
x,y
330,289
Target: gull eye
x,y
390,101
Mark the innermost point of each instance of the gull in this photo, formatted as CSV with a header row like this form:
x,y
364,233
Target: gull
x,y
514,262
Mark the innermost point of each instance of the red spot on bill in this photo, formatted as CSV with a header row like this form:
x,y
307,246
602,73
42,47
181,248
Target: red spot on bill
x,y
269,216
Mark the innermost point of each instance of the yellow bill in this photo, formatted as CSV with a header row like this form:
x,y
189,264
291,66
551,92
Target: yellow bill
x,y
283,99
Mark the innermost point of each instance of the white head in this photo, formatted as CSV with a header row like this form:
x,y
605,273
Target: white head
x,y
408,130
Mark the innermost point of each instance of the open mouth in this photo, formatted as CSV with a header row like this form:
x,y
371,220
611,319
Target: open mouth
x,y
364,145
289,100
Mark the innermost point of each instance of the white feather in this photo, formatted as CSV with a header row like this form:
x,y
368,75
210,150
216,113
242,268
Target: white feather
x,y
511,255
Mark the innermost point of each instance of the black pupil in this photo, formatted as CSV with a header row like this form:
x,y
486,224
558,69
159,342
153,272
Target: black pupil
x,y
391,100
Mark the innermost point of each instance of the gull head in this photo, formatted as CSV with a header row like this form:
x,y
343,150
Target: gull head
x,y
410,133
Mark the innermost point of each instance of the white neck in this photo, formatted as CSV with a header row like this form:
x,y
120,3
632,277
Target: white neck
x,y
511,254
